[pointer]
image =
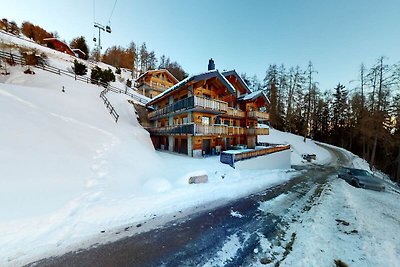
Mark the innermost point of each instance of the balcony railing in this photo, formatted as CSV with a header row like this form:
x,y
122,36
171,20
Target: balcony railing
x,y
212,104
258,131
219,129
196,129
190,103
172,129
236,113
258,115
234,130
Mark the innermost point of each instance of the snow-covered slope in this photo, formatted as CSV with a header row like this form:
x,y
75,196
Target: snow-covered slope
x,y
355,226
298,146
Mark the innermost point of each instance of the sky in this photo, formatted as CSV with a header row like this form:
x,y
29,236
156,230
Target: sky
x,y
336,36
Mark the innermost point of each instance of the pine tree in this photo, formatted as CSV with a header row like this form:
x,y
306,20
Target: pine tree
x,y
79,68
143,55
80,43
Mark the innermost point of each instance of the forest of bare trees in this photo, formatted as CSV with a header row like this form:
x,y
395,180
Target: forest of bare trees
x,y
141,59
364,119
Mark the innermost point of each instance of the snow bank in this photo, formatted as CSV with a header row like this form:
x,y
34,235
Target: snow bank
x,y
354,225
298,146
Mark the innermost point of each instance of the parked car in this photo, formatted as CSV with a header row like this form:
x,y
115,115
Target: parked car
x,y
361,178
309,157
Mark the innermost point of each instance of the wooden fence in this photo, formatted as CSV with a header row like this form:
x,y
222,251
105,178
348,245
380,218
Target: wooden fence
x,y
108,105
17,59
230,158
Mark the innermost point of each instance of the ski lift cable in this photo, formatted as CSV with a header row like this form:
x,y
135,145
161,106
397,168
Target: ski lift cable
x,y
112,11
94,20
94,11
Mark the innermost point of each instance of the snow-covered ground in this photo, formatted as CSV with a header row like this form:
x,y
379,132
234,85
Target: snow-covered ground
x,y
298,146
359,227
68,172
355,226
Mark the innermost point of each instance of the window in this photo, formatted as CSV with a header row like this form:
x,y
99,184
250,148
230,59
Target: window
x,y
184,120
207,96
205,120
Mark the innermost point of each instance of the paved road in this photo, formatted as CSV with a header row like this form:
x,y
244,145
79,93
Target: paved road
x,y
199,238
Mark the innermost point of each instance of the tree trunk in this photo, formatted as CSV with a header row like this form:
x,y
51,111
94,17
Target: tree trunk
x,y
398,166
364,148
371,163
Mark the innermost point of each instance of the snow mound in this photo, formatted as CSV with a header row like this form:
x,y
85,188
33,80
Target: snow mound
x,y
298,146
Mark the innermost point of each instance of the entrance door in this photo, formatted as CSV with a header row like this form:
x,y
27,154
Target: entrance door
x,y
166,143
184,146
228,143
176,145
207,146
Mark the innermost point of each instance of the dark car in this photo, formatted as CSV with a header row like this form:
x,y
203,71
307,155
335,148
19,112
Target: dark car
x,y
361,178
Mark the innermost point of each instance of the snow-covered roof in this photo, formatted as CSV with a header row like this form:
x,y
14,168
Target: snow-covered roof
x,y
158,70
255,95
78,50
202,76
234,73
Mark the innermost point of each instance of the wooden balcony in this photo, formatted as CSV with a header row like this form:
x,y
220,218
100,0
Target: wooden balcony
x,y
234,130
258,115
190,103
196,129
237,113
202,103
258,131
218,129
181,129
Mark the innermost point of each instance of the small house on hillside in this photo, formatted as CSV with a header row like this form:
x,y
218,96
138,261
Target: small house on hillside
x,y
58,45
3,24
154,82
208,113
79,53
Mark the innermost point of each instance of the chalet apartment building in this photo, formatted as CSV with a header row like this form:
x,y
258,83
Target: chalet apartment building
x,y
206,113
154,82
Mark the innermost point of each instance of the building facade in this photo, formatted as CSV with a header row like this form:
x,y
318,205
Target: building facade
x,y
207,113
154,82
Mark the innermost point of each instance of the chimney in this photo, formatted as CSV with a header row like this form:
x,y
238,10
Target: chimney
x,y
211,65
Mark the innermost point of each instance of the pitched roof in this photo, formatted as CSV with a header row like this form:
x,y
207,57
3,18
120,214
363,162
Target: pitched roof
x,y
199,77
255,95
158,70
234,73
78,50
